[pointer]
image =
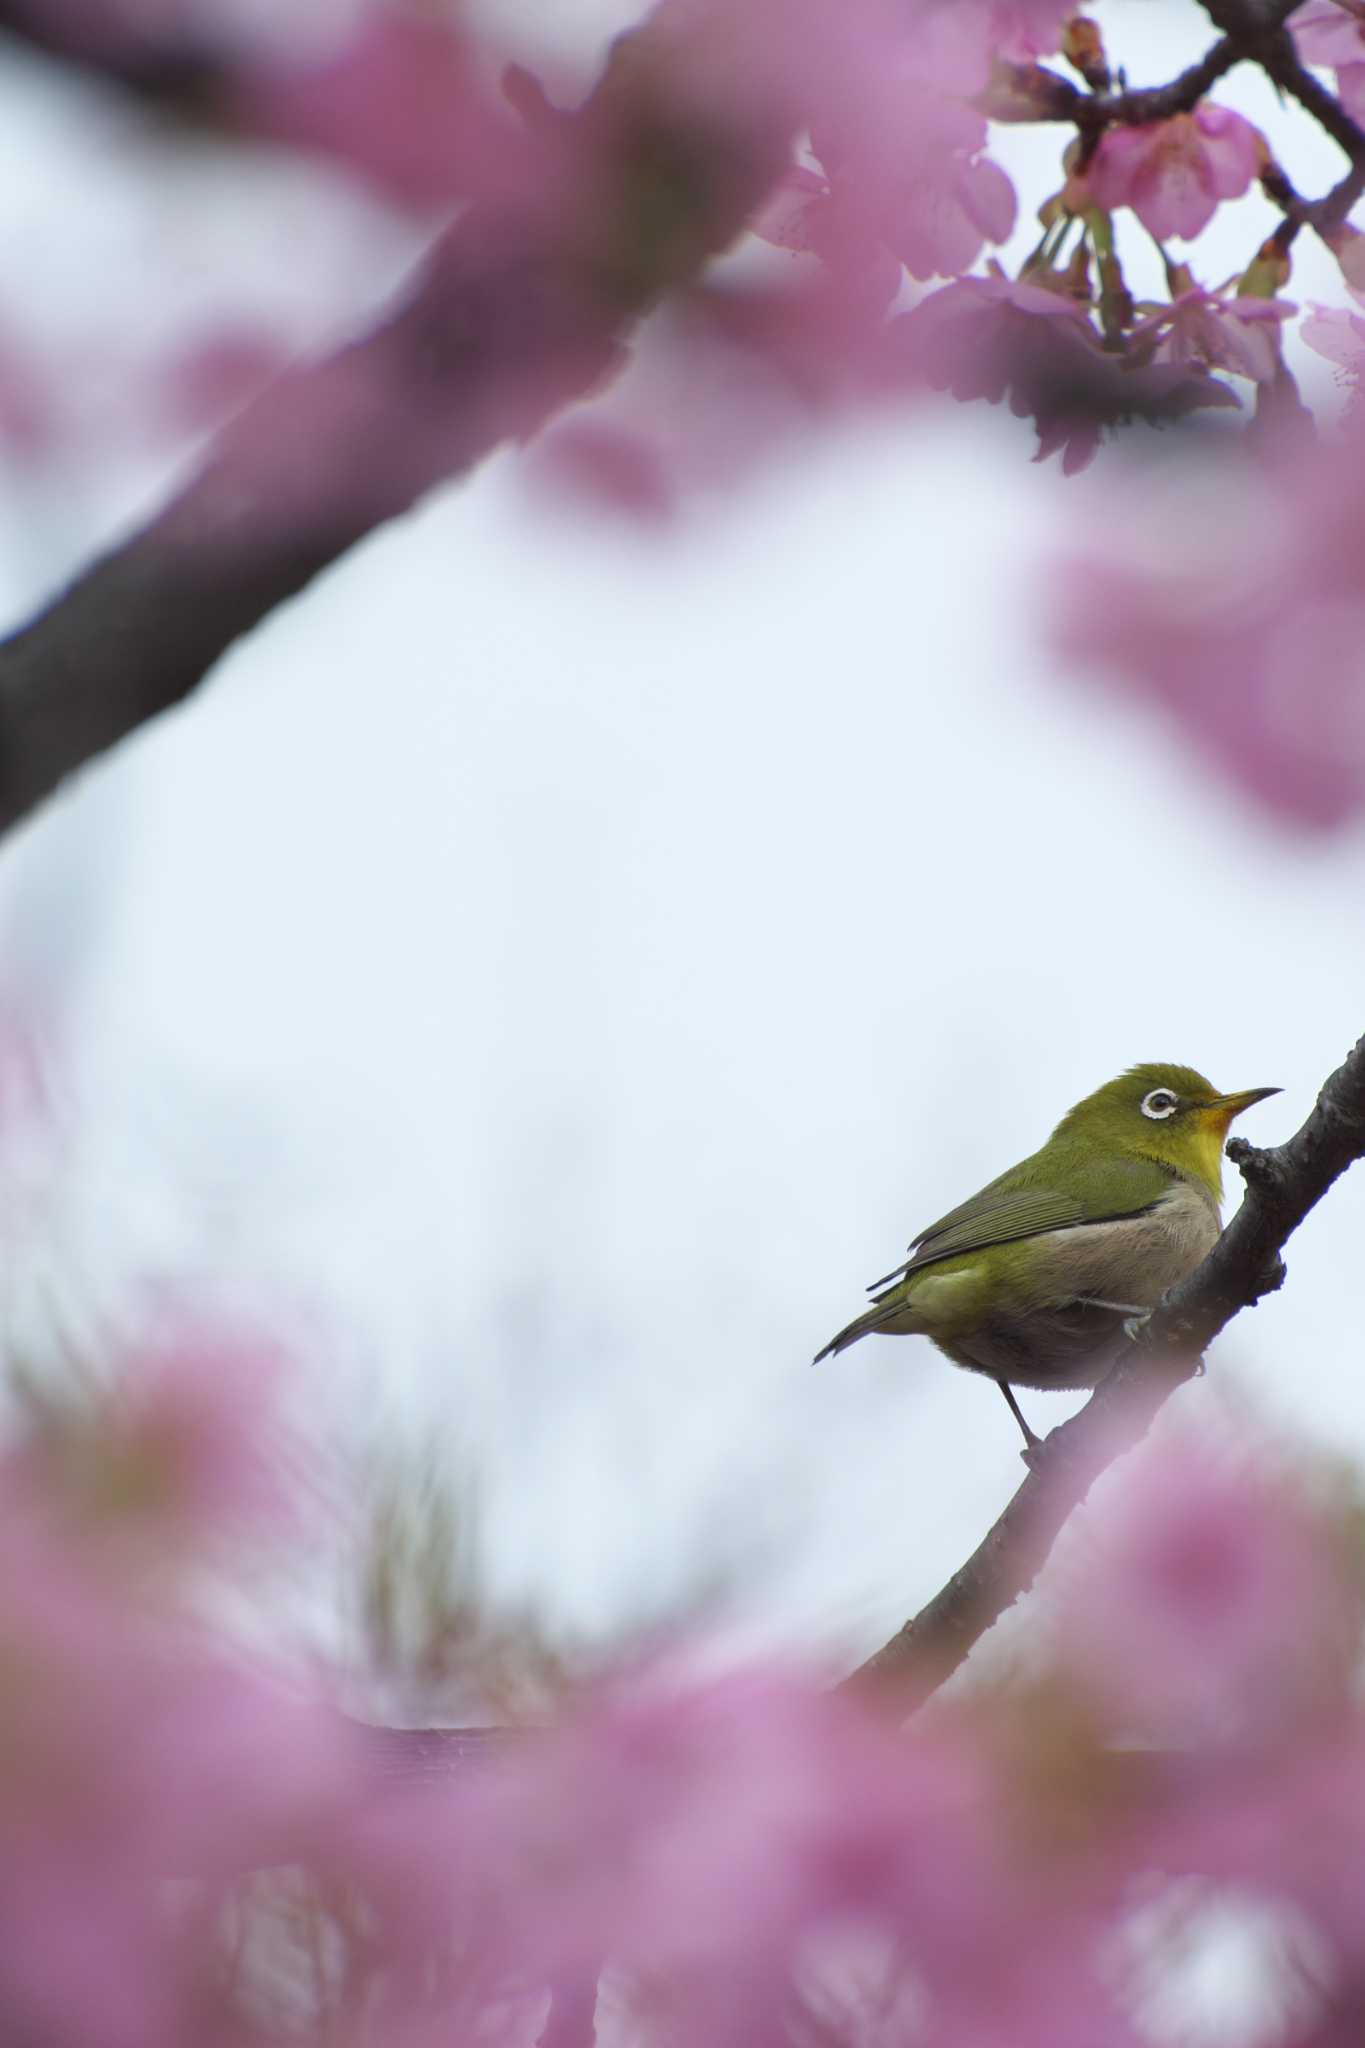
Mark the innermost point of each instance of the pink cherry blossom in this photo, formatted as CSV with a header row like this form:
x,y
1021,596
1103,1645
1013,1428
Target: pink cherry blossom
x,y
725,379
957,41
993,339
812,216
202,380
1202,1610
949,199
932,210
1200,327
1328,34
401,101
900,148
1334,36
29,402
750,1859
1247,628
609,464
1351,89
902,156
1339,334
1174,173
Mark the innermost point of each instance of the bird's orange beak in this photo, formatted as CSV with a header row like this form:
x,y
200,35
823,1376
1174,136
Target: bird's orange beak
x,y
1224,1108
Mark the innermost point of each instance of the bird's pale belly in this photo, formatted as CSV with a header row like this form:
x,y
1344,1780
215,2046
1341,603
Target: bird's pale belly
x,y
1057,1326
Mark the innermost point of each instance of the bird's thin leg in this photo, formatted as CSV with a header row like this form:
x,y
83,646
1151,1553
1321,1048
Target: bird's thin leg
x,y
1032,1444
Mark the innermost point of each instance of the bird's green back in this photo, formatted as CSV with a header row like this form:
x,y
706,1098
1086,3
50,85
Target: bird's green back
x,y
1104,1161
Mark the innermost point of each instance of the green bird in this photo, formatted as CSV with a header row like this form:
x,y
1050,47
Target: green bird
x,y
1031,1281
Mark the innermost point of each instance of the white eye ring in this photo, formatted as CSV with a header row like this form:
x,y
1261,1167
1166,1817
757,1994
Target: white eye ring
x,y
1160,1104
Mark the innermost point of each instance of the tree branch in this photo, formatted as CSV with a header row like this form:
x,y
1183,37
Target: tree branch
x,y
1252,23
175,72
1325,215
488,341
511,316
1281,62
1032,92
1282,1185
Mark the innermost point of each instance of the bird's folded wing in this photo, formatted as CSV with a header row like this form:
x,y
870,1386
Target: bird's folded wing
x,y
1017,1206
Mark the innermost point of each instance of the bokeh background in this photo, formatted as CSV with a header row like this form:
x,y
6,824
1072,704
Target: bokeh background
x,y
558,962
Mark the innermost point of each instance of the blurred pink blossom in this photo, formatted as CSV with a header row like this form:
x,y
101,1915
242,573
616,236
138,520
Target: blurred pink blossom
x,y
721,381
192,1437
1174,173
1339,334
751,1859
810,216
133,1752
597,459
1334,36
1200,327
708,1838
30,403
204,379
1249,627
955,42
402,101
1024,29
905,170
1205,1606
1328,34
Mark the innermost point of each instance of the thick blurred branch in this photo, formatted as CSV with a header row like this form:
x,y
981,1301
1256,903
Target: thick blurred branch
x,y
491,338
175,73
1282,1185
520,308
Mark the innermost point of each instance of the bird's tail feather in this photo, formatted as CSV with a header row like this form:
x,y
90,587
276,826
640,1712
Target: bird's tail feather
x,y
879,1317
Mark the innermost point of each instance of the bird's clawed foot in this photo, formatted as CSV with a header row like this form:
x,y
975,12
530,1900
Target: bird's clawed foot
x,y
1135,1325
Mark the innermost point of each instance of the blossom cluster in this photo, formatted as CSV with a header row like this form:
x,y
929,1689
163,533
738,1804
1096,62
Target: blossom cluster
x,y
198,1849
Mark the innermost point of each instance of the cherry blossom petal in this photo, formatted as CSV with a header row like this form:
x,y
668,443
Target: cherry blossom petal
x,y
1327,34
1338,335
1173,173
1351,88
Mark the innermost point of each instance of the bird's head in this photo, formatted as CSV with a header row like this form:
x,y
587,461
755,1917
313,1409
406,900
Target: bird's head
x,y
1163,1112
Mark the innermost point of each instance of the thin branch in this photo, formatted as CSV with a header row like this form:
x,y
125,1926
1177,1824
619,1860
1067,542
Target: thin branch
x,y
1033,92
1281,62
1329,212
1283,1184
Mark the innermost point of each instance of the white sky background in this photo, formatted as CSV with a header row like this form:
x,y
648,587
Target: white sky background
x,y
567,963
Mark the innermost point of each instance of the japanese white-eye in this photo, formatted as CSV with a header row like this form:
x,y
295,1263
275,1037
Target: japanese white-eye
x,y
1031,1281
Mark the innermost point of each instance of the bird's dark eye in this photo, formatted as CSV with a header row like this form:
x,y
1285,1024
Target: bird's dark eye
x,y
1160,1103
